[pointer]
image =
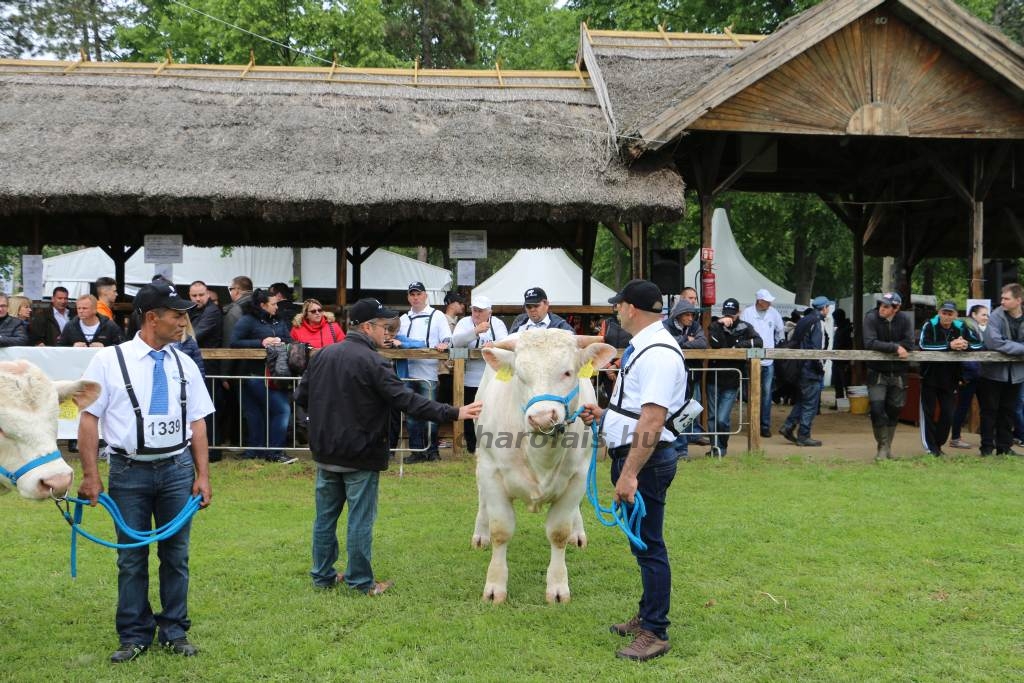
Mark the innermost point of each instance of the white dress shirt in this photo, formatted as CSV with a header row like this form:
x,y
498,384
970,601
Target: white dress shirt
x,y
465,336
430,326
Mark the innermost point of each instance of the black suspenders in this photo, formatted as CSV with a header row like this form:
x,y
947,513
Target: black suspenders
x,y
622,390
140,432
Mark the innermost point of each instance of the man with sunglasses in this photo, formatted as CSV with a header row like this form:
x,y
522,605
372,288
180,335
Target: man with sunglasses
x,y
349,391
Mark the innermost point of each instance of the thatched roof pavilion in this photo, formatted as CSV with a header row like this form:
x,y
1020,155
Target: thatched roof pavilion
x,y
294,156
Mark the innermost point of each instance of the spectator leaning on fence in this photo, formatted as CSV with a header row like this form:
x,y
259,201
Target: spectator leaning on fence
x,y
47,324
1000,383
939,380
887,331
768,322
315,326
728,332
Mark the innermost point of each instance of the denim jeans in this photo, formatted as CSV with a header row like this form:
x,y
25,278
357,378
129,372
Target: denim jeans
x,y
148,492
805,408
333,489
720,402
655,571
963,405
767,382
417,427
261,403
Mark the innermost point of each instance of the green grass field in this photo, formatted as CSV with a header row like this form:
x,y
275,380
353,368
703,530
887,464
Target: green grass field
x,y
783,571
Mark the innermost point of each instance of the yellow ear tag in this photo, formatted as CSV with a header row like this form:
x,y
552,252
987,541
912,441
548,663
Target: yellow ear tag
x,y
68,410
587,371
505,374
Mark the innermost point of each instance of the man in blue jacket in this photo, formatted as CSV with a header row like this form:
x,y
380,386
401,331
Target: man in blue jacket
x,y
939,380
811,333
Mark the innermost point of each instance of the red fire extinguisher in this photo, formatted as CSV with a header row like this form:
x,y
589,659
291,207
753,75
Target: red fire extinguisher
x,y
707,288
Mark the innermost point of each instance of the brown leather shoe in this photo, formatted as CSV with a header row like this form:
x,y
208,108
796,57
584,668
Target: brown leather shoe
x,y
380,587
645,646
629,628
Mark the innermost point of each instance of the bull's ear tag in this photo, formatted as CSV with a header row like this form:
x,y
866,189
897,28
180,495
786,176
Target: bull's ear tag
x,y
505,374
68,410
587,371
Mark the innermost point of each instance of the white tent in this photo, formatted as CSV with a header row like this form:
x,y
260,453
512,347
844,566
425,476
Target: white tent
x,y
734,276
383,270
550,269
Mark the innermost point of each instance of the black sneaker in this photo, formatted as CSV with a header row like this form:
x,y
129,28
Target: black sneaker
x,y
766,433
127,652
281,458
181,646
808,442
787,432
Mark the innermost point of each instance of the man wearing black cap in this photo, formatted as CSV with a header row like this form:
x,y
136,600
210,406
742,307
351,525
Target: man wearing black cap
x,y
153,406
429,326
809,335
537,315
728,332
939,380
887,331
651,387
349,391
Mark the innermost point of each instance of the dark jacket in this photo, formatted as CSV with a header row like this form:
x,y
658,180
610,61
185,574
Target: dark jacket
x,y
885,335
740,335
1006,335
934,337
233,312
108,333
811,334
13,331
249,333
613,333
557,323
191,349
208,324
682,336
43,328
349,391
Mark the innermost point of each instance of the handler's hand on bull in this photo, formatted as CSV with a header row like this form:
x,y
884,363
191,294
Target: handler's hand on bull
x,y
90,488
591,412
470,411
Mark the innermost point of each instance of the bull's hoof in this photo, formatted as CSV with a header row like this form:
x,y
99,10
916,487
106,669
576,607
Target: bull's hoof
x,y
579,540
481,540
557,595
494,594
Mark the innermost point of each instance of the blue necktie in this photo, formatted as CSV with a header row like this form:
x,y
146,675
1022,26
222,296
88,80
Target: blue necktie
x,y
625,356
158,401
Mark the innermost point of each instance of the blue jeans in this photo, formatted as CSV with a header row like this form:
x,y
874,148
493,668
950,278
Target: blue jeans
x,y
767,380
417,427
963,405
261,403
333,489
720,402
805,409
655,571
146,492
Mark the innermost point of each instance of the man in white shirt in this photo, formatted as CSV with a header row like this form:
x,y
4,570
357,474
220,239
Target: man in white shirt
x,y
473,332
768,323
153,406
423,327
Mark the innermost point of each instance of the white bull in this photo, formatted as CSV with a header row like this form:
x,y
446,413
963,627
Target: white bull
x,y
28,427
529,453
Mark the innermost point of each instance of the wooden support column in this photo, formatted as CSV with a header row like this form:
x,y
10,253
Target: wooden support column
x,y
341,272
120,254
458,400
977,287
589,246
754,428
638,238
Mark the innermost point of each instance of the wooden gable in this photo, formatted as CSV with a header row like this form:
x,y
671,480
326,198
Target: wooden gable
x,y
876,76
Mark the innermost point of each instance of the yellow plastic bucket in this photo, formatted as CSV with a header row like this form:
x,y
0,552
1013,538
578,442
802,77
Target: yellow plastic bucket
x,y
859,405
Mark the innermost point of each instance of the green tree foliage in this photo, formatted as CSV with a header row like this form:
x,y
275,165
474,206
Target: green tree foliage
x,y
689,15
67,28
527,34
441,33
305,32
14,41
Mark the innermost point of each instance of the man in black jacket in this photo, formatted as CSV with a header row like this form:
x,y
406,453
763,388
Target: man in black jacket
x,y
13,331
207,319
89,328
728,332
348,391
887,331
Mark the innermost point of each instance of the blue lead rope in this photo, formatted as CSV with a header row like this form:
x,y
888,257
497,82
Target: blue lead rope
x,y
141,538
628,521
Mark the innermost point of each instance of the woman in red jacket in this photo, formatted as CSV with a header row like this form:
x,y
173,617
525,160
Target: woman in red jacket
x,y
315,326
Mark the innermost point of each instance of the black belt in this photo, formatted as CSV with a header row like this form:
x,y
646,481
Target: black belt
x,y
623,451
120,452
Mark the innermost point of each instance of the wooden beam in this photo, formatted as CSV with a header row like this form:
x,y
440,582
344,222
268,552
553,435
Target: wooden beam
x,y
341,272
741,169
616,230
589,247
638,232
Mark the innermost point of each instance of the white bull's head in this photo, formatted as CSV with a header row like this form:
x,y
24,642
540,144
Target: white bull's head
x,y
28,427
545,363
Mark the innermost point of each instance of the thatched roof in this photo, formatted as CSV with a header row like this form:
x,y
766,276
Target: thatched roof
x,y
318,146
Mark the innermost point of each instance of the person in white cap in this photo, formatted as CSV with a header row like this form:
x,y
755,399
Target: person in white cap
x,y
474,331
768,322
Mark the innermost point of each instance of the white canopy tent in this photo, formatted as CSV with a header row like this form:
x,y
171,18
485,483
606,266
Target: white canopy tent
x,y
550,269
734,275
383,270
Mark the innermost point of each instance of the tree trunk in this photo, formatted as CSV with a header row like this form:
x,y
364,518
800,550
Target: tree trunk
x,y
806,263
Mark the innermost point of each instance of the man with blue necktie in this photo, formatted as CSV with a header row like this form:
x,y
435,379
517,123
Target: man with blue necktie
x,y
153,406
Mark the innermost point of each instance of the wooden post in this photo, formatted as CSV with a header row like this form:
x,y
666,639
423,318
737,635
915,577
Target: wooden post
x,y
977,288
754,428
458,400
341,272
707,211
638,235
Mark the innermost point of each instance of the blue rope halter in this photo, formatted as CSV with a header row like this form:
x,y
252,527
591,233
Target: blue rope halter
x,y
17,474
141,538
627,520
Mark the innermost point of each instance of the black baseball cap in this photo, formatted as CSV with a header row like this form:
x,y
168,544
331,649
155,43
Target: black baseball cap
x,y
534,295
417,287
643,294
948,306
454,296
730,306
160,294
365,310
